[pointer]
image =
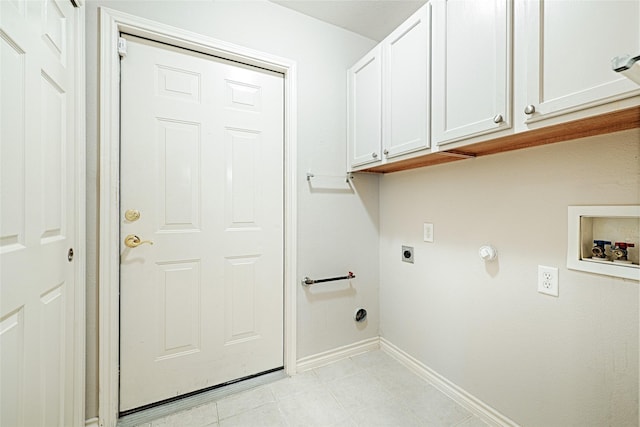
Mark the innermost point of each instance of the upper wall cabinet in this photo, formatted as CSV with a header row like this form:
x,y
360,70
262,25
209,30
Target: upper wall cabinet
x,y
569,52
365,109
389,95
406,86
505,74
471,64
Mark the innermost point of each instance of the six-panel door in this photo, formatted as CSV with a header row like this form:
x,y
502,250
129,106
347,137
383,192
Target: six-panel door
x,y
202,164
38,214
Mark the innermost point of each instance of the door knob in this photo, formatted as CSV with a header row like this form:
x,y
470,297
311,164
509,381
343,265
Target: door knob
x,y
530,109
133,241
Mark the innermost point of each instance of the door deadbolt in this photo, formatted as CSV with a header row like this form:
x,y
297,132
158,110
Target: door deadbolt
x,y
132,215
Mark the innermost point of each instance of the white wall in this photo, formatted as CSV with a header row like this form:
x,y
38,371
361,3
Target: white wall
x,y
337,228
542,361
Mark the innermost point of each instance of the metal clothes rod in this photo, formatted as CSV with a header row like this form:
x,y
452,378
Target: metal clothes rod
x,y
348,176
308,281
629,66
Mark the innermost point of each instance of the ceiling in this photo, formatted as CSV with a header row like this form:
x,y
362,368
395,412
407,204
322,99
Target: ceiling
x,y
374,19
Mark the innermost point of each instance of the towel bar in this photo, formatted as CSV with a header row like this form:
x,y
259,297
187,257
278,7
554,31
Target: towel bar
x,y
308,281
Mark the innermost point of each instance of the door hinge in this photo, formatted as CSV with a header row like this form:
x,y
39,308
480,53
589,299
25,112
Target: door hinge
x,y
122,47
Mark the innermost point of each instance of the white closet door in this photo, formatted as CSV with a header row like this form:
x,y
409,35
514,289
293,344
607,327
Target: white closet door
x,y
37,218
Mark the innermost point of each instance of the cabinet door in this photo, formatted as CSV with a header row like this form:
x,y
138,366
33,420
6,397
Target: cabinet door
x,y
365,109
406,85
471,68
570,47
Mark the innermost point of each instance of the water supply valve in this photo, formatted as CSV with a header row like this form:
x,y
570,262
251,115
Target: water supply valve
x,y
598,248
619,252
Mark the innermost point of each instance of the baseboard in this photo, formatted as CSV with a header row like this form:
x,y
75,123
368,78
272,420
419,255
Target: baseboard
x,y
460,396
92,422
330,356
464,399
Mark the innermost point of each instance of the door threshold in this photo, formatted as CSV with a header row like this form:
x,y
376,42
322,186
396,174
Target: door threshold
x,y
161,409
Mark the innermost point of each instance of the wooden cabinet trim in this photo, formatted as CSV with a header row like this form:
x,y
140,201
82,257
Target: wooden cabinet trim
x,y
615,121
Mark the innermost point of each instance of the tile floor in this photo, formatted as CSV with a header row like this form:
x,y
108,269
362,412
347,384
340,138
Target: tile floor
x,y
371,389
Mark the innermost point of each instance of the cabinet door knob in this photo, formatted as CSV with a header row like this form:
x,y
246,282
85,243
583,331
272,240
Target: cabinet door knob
x,y
498,119
529,109
374,155
386,152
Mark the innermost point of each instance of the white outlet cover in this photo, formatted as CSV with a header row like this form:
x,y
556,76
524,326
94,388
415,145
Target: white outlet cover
x,y
548,280
428,232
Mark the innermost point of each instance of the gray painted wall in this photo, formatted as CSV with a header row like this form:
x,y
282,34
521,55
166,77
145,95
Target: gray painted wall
x,y
540,360
337,230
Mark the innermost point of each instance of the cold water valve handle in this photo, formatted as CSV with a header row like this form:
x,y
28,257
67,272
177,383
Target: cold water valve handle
x,y
598,248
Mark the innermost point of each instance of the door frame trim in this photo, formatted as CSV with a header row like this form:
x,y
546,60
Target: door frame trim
x,y
80,245
112,23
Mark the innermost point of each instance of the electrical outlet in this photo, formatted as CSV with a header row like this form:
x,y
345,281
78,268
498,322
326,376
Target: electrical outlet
x,y
428,232
548,280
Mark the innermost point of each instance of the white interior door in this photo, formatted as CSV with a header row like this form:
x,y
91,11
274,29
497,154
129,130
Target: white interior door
x,y
37,223
202,163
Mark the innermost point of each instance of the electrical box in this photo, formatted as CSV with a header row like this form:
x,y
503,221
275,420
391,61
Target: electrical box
x,y
407,254
604,240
